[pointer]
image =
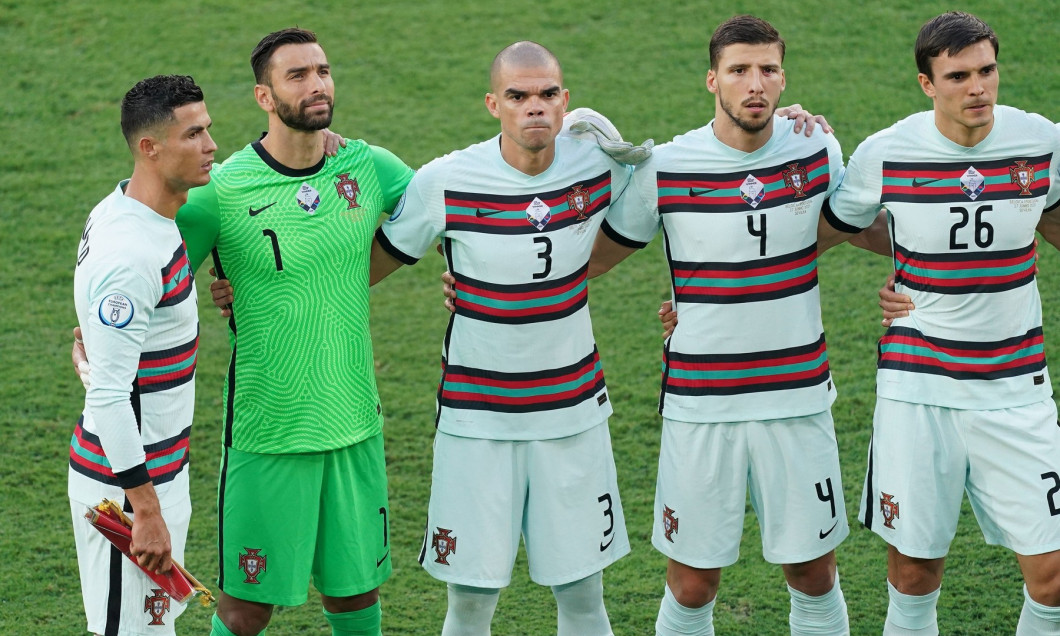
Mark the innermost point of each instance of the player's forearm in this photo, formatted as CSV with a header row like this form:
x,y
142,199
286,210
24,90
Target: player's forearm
x,y
874,238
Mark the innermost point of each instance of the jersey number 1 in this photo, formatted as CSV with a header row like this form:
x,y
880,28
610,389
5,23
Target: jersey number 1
x,y
275,248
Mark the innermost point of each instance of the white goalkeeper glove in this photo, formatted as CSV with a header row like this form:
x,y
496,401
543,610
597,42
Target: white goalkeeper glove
x,y
586,123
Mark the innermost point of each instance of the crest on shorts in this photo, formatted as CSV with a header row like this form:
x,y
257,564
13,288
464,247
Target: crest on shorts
x,y
889,509
348,189
156,606
669,523
795,178
578,201
308,198
1022,175
253,564
444,544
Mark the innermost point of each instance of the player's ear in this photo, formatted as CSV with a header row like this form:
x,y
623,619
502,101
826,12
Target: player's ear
x,y
491,105
263,96
712,81
926,85
148,146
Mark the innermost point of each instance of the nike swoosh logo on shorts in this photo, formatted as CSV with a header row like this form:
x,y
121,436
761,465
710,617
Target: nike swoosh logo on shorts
x,y
824,534
380,561
923,182
479,213
608,545
692,192
254,212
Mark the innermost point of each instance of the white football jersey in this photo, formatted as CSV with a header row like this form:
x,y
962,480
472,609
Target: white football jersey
x,y
741,241
519,359
962,224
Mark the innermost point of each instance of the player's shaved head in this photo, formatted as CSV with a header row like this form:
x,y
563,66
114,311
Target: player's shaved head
x,y
742,29
950,33
151,102
525,54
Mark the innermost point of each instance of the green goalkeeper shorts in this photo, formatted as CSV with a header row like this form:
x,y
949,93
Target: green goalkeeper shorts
x,y
286,517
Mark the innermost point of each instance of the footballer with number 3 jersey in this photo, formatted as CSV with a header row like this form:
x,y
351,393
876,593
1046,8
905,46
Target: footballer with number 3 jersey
x,y
522,447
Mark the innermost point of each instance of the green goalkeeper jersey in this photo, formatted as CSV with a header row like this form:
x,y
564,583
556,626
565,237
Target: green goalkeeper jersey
x,y
295,244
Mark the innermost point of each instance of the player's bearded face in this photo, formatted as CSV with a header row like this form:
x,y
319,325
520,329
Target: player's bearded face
x,y
306,115
748,82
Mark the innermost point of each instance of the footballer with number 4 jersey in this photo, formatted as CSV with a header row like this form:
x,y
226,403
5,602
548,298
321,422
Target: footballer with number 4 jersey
x,y
136,307
522,446
746,387
964,397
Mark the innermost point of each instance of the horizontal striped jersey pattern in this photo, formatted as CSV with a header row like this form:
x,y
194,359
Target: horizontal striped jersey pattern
x,y
478,389
503,214
161,370
714,193
736,373
176,279
1003,179
965,272
165,458
906,349
748,281
521,304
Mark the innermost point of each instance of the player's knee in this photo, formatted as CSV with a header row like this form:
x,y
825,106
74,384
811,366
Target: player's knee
x,y
1045,590
243,618
357,602
912,576
813,578
693,587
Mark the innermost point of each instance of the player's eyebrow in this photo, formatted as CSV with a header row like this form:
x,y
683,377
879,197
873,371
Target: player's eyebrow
x,y
302,69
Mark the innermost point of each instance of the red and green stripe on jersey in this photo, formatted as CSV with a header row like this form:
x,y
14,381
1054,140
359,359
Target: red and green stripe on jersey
x,y
164,461
523,303
907,349
504,214
176,279
736,373
480,389
169,368
965,273
1002,179
785,183
746,281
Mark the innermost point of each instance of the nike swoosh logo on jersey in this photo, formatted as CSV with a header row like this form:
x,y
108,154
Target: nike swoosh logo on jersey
x,y
824,534
254,212
380,561
923,182
479,213
607,545
692,192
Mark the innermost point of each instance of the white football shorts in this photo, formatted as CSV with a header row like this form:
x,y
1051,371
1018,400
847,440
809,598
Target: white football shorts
x,y
791,467
561,495
116,592
922,459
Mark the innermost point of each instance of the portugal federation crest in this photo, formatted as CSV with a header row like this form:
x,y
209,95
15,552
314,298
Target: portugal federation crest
x,y
156,606
795,178
253,564
348,189
669,523
578,201
889,509
1022,175
444,544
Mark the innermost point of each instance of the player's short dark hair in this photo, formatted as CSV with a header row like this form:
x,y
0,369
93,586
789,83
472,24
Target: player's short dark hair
x,y
950,33
152,102
262,54
743,29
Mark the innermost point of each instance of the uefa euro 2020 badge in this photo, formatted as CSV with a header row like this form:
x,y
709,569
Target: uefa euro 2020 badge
x,y
308,198
116,310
